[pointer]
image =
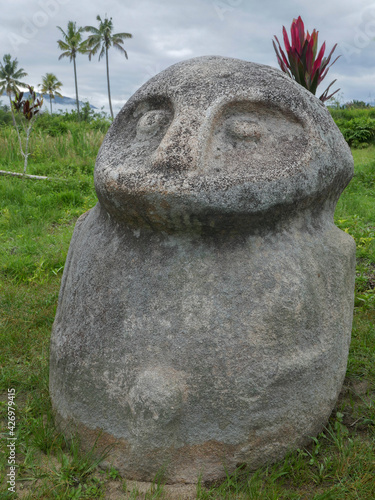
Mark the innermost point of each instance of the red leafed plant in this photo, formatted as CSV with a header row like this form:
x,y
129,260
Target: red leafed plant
x,y
303,64
28,109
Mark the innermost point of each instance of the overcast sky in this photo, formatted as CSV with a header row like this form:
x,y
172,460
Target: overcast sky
x,y
167,31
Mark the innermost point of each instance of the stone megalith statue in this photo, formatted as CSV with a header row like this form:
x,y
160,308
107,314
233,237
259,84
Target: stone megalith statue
x,y
205,310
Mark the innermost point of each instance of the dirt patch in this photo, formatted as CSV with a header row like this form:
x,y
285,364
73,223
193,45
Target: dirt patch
x,y
135,489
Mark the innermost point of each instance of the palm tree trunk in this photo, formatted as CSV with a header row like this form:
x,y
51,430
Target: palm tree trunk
x,y
50,101
109,89
75,80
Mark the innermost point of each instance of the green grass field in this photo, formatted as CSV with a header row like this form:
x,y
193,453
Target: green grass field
x,y
36,222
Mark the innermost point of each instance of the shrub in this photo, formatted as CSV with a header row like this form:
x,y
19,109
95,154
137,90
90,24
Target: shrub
x,y
358,132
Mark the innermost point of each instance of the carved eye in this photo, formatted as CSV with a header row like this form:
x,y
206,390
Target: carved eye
x,y
242,128
151,123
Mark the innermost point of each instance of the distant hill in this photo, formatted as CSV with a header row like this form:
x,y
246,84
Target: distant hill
x,y
65,101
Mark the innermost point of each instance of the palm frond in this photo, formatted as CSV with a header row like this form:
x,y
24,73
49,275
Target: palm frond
x,y
93,49
121,49
123,35
62,31
92,29
62,45
102,52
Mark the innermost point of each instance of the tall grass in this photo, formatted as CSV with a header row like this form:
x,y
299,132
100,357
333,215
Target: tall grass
x,y
352,113
51,155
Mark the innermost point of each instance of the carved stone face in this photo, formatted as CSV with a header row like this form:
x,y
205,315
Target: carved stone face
x,y
213,139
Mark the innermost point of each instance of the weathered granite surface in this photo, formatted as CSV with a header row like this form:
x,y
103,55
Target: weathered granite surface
x,y
206,305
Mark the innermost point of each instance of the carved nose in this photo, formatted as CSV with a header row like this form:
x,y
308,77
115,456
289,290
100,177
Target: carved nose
x,y
177,150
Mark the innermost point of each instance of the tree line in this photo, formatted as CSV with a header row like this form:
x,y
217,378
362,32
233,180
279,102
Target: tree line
x,y
101,39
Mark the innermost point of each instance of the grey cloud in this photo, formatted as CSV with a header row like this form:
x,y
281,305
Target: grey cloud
x,y
167,31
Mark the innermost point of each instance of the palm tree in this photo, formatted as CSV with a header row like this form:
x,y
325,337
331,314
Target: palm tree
x,y
9,78
102,38
72,44
50,85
